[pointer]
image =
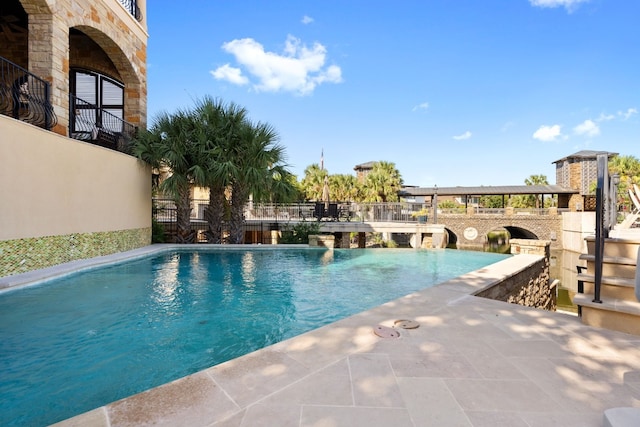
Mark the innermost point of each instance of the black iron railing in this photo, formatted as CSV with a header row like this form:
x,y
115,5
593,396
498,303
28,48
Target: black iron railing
x,y
25,96
132,7
89,123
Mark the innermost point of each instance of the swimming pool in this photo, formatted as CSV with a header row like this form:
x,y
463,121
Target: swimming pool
x,y
82,341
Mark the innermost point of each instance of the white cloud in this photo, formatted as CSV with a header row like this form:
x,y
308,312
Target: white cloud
x,y
570,5
605,117
307,19
298,69
547,133
626,114
230,74
588,128
464,136
423,106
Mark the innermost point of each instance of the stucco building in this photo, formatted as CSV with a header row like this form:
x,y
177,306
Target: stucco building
x,y
73,80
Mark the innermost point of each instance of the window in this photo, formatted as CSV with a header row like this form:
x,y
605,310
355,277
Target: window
x,y
98,103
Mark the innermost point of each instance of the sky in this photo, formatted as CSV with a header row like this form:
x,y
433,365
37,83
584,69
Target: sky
x,y
453,92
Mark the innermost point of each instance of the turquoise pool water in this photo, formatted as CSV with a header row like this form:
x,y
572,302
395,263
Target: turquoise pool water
x,y
76,343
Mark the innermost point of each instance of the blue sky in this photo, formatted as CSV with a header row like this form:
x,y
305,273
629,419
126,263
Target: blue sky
x,y
454,92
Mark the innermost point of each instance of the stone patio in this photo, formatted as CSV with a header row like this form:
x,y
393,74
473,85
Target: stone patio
x,y
471,362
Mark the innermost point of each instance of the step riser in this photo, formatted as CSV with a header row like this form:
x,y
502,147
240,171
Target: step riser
x,y
616,249
613,270
617,321
610,292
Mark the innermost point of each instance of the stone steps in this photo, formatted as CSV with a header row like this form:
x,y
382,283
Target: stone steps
x,y
619,308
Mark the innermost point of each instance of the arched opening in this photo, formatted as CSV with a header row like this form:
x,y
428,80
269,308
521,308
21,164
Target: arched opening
x,y
520,233
452,241
97,94
14,33
91,49
497,240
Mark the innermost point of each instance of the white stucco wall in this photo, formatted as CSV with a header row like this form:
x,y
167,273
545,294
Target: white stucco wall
x,y
52,185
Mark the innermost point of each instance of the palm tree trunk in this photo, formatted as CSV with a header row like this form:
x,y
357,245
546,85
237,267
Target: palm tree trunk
x,y
214,214
239,198
183,217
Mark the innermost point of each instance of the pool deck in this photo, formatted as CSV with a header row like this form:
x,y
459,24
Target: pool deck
x,y
471,362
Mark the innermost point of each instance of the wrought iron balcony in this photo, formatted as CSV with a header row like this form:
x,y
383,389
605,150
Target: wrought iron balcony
x,y
25,96
98,126
132,7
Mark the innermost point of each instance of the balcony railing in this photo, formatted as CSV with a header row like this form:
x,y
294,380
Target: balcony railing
x,y
25,96
132,7
98,126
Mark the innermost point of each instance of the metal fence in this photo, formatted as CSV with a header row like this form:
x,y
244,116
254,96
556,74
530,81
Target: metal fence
x,y
164,210
98,126
132,8
25,96
261,219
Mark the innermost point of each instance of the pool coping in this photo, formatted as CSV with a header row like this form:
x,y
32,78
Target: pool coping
x,y
301,381
36,277
133,409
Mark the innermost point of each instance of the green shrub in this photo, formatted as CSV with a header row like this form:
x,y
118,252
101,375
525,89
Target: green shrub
x,y
299,233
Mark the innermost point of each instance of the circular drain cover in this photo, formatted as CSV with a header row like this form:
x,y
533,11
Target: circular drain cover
x,y
386,332
406,324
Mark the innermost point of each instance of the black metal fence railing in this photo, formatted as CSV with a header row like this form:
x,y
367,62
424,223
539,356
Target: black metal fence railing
x,y
132,7
262,219
24,96
98,126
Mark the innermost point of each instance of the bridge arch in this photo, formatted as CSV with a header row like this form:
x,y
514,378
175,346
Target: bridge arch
x,y
452,238
470,230
520,233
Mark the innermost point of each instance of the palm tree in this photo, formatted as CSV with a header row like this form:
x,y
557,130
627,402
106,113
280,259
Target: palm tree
x,y
537,180
259,170
382,183
313,182
343,187
628,169
219,132
170,144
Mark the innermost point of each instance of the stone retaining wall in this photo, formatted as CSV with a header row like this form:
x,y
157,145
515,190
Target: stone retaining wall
x,y
530,287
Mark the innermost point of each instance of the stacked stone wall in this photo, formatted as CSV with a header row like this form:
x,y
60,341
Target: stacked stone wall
x,y
530,287
87,54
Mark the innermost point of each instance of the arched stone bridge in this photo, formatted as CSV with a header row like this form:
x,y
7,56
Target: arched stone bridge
x,y
470,231
466,231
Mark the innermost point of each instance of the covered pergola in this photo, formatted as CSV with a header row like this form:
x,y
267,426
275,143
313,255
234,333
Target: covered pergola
x,y
506,191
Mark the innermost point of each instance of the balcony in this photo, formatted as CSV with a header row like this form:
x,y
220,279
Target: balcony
x,y
132,7
98,126
24,96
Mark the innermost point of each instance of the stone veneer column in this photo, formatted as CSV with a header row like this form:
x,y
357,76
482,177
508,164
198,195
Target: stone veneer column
x,y
49,59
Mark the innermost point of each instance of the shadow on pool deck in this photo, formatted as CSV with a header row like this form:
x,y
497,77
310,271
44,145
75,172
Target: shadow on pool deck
x,y
471,362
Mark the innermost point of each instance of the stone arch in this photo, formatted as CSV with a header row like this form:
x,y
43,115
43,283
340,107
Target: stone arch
x,y
497,240
118,66
520,233
452,238
36,6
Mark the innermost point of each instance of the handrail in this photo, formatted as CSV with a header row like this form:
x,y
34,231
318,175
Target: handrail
x,y
132,8
353,211
25,96
89,123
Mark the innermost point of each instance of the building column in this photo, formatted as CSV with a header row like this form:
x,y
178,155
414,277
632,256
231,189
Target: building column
x,y
49,60
362,239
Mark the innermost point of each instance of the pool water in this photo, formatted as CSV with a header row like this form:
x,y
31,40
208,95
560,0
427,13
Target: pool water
x,y
79,342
